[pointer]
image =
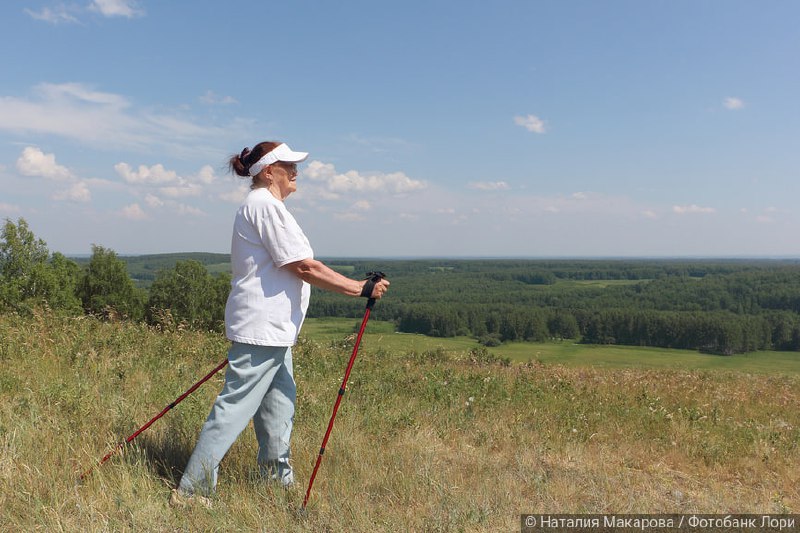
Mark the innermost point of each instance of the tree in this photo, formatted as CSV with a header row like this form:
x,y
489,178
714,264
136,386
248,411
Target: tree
x,y
22,263
222,287
106,289
26,275
190,294
563,325
61,284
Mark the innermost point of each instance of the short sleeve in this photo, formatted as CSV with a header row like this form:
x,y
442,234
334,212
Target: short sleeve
x,y
281,235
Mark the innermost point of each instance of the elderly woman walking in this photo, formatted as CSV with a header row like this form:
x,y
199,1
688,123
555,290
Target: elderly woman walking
x,y
272,266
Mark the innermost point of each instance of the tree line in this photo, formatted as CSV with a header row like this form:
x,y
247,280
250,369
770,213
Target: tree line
x,y
183,296
717,306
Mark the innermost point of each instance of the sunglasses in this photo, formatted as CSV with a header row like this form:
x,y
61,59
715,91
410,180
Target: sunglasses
x,y
290,168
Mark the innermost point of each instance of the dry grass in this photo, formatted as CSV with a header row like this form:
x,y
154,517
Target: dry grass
x,y
422,441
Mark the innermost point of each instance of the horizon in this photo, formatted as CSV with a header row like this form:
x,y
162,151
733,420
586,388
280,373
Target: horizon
x,y
485,258
530,129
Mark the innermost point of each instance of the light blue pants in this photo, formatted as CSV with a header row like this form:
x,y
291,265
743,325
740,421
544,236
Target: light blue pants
x,y
258,384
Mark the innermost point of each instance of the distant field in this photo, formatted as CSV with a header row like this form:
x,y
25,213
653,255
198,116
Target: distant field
x,y
613,356
382,335
344,269
219,268
598,283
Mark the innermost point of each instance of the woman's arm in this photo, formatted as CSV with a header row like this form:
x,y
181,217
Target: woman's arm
x,y
318,274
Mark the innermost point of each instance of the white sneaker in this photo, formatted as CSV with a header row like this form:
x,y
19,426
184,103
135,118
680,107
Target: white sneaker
x,y
278,470
179,500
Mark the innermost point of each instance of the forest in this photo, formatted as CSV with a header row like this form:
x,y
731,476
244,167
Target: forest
x,y
716,306
719,306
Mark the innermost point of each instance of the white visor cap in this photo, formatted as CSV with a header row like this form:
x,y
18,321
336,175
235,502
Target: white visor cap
x,y
282,152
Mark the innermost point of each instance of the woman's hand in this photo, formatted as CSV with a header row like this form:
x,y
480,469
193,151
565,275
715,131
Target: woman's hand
x,y
380,288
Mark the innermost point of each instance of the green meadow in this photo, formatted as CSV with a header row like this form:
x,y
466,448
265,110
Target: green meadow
x,y
381,335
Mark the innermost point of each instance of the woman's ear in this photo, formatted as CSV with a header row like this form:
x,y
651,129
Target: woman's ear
x,y
265,176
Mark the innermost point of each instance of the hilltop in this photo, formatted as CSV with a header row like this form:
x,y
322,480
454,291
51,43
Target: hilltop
x,y
425,441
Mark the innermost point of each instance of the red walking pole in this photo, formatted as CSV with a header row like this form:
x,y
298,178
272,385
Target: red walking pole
x,y
159,415
373,277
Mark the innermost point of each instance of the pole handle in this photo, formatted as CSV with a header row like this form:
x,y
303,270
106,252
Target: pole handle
x,y
372,278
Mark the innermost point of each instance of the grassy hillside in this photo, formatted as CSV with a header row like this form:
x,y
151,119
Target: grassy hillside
x,y
425,440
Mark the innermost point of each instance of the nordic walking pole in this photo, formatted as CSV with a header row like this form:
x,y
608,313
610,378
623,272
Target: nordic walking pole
x,y
159,415
372,279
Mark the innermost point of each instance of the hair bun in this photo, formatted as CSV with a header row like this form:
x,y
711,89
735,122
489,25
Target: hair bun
x,y
244,154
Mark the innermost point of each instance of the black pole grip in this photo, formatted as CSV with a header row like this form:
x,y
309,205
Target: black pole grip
x,y
372,278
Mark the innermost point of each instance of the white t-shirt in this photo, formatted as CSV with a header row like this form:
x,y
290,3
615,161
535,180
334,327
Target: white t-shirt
x,y
267,304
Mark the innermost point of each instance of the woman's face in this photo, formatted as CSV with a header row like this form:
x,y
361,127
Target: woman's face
x,y
283,179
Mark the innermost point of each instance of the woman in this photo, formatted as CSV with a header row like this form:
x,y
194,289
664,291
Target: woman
x,y
272,266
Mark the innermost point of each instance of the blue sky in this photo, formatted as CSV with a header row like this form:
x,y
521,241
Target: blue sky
x,y
436,128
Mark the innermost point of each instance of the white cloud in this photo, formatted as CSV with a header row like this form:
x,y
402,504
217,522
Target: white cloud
x,y
56,15
78,92
767,216
153,201
362,205
78,192
396,182
169,183
68,13
206,175
692,209
155,174
237,195
8,209
317,170
212,98
183,209
133,212
77,111
733,103
489,185
183,189
531,123
34,162
116,8
348,216
354,181
649,213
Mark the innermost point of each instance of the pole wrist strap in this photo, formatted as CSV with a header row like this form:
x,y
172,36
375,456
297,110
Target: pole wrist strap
x,y
372,278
